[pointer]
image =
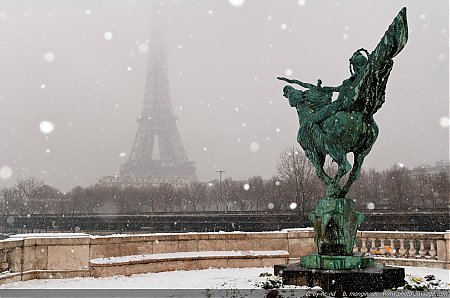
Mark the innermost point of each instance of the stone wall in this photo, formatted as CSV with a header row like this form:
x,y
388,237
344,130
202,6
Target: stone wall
x,y
65,255
54,255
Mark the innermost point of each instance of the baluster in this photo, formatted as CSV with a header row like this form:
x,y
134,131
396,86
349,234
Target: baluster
x,y
363,246
394,250
382,247
422,250
373,248
432,252
402,250
356,248
412,250
390,251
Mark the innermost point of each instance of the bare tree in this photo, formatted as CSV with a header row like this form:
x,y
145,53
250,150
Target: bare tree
x,y
296,170
196,195
27,194
441,189
398,185
7,201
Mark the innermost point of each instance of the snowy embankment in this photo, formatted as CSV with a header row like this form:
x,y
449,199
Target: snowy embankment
x,y
226,278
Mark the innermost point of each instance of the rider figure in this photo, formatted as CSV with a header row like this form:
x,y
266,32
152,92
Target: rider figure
x,y
347,96
319,98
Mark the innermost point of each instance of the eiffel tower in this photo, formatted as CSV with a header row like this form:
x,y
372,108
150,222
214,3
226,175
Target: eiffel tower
x,y
157,150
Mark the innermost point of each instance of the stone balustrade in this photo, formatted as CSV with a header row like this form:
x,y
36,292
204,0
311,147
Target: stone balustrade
x,y
68,255
430,249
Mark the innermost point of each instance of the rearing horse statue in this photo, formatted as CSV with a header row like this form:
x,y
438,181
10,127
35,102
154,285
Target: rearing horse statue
x,y
336,128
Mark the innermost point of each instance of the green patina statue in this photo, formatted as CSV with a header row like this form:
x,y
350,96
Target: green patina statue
x,y
345,125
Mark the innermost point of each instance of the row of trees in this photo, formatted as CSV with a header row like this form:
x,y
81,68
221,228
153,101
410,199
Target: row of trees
x,y
295,186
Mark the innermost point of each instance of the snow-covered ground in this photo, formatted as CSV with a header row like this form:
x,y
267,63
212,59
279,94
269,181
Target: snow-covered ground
x,y
226,278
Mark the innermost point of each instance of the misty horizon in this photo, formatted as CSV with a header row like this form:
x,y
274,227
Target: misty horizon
x,y
81,66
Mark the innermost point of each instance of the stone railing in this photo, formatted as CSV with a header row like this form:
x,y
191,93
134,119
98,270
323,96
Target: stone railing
x,y
25,257
429,249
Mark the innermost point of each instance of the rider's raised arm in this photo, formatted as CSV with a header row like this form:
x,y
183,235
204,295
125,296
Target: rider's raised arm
x,y
332,89
304,85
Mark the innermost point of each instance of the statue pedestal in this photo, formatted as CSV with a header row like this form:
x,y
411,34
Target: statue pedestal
x,y
335,268
367,280
336,262
335,224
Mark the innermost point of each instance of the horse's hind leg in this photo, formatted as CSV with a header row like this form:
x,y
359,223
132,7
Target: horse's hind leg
x,y
359,156
318,160
356,171
334,190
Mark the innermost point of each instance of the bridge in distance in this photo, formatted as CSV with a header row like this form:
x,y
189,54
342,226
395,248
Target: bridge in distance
x,y
437,220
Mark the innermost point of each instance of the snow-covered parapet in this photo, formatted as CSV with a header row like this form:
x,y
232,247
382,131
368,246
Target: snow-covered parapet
x,y
49,235
298,230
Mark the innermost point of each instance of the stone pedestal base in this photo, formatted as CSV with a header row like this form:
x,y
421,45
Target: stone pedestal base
x,y
336,262
367,280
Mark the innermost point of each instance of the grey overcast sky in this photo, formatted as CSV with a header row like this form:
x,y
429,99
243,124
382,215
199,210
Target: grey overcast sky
x,y
81,65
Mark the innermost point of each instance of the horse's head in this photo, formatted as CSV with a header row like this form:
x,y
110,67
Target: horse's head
x,y
295,96
297,99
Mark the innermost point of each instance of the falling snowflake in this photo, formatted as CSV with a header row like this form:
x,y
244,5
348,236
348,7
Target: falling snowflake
x,y
237,3
345,36
47,151
43,86
143,48
49,56
254,146
301,2
289,72
444,122
283,26
5,172
277,183
87,11
292,206
370,206
246,186
108,35
122,154
46,127
270,205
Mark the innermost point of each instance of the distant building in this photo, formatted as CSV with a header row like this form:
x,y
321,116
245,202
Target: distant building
x,y
438,167
142,182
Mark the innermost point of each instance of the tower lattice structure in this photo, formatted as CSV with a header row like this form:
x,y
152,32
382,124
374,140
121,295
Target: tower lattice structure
x,y
158,151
